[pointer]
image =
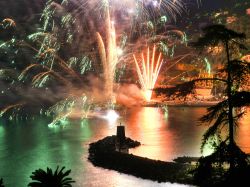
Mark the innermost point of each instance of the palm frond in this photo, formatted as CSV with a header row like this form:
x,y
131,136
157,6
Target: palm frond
x,y
47,178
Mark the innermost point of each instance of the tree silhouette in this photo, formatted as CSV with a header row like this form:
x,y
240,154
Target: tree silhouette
x,y
236,74
226,113
47,178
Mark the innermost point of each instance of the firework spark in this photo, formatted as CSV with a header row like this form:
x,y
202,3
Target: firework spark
x,y
9,107
49,66
149,71
141,10
108,55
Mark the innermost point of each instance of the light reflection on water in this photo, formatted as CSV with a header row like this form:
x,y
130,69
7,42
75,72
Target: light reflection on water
x,y
243,132
149,127
164,134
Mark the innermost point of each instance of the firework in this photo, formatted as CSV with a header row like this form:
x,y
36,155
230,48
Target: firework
x,y
208,67
148,72
7,22
140,10
108,55
49,64
9,107
69,107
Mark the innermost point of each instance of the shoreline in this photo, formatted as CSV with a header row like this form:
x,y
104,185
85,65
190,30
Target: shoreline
x,y
181,170
181,104
102,154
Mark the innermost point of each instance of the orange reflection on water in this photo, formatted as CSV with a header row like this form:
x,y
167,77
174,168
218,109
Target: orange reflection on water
x,y
149,127
243,133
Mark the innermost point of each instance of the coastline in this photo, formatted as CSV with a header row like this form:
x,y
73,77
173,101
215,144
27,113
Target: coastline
x,y
102,154
181,103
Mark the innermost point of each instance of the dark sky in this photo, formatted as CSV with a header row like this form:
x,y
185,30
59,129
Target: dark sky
x,y
216,4
13,7
27,12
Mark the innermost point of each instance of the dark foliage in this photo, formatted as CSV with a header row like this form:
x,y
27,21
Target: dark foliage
x,y
1,183
186,159
180,90
239,99
183,89
47,178
214,34
240,71
210,170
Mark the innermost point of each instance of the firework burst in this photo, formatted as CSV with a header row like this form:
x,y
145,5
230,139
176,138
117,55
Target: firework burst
x,y
140,10
59,60
149,71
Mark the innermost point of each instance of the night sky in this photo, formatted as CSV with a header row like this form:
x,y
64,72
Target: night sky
x,y
28,10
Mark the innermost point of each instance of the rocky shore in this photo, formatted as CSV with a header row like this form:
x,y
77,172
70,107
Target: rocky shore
x,y
103,154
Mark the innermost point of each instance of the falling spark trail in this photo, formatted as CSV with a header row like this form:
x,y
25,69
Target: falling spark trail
x,y
149,72
177,76
182,57
108,55
2,112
